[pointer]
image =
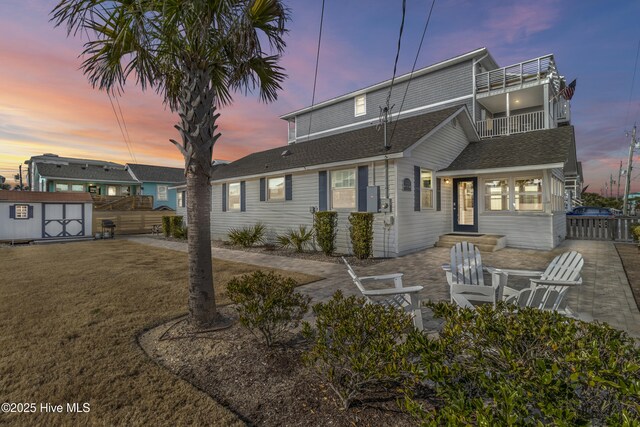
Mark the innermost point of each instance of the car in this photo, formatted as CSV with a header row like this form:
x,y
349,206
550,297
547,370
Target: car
x,y
592,211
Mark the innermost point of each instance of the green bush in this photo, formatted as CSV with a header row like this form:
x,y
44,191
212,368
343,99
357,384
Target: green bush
x,y
361,233
175,225
247,236
166,226
522,366
635,231
325,224
297,239
267,304
356,347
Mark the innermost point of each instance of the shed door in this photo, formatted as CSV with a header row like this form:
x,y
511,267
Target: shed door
x,y
62,220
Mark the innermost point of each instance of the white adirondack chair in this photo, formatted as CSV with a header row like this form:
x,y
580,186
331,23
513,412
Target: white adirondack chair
x,y
466,278
548,289
398,296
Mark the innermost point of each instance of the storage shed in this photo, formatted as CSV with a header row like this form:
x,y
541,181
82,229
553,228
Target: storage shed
x,y
34,215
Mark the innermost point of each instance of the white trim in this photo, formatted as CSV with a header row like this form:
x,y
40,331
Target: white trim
x,y
391,116
400,79
354,170
355,105
90,180
267,196
467,172
166,193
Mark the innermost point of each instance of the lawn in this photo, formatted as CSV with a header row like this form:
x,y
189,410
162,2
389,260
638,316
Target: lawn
x,y
71,314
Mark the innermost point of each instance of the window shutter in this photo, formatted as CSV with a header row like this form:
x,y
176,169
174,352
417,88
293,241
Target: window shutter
x,y
243,198
184,199
224,197
363,182
288,187
263,189
416,188
322,190
439,194
30,214
12,211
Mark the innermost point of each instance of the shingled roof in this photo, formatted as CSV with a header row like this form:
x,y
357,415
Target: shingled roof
x,y
542,147
84,172
40,196
150,173
357,144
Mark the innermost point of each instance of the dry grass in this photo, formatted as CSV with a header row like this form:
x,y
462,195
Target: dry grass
x,y
70,314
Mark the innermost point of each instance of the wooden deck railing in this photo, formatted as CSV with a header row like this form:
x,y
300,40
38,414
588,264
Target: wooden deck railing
x,y
601,228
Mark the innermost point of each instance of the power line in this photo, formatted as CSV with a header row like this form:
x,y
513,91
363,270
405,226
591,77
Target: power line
x,y
315,76
395,64
120,126
126,131
633,80
415,61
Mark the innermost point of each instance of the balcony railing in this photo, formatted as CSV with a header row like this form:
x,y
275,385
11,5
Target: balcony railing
x,y
519,123
534,70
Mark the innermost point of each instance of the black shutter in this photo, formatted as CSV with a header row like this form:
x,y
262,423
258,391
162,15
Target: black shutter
x,y
224,197
416,188
439,194
184,199
243,198
363,182
12,211
322,190
263,189
288,187
30,212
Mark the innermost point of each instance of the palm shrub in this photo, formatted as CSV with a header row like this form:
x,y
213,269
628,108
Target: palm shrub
x,y
166,226
175,225
325,225
247,236
297,239
361,233
267,304
356,347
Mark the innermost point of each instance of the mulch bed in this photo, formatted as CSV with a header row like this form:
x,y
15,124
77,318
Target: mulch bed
x,y
266,387
630,257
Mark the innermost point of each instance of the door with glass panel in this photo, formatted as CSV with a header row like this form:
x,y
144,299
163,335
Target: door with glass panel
x,y
465,202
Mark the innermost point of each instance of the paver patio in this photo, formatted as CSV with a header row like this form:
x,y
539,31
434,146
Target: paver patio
x,y
604,296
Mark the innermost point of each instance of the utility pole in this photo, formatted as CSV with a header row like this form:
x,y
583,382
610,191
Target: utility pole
x,y
632,146
20,173
619,178
611,182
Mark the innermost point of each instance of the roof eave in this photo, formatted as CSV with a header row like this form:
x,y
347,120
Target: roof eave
x,y
509,169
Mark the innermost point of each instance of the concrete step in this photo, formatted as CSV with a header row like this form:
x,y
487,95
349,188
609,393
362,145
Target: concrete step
x,y
484,242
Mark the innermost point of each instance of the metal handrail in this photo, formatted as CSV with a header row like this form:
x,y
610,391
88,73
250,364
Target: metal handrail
x,y
535,69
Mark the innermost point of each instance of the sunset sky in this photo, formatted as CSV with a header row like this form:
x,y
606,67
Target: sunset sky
x,y
47,105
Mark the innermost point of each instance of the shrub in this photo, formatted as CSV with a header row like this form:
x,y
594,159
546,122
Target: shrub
x,y
166,226
356,346
527,367
267,304
247,236
635,232
175,225
325,224
297,239
361,232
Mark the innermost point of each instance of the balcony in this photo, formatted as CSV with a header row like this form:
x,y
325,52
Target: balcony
x,y
525,74
511,125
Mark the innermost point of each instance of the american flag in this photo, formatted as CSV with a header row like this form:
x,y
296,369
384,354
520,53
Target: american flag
x,y
568,91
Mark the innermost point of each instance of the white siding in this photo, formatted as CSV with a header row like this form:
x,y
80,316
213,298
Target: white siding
x,y
530,231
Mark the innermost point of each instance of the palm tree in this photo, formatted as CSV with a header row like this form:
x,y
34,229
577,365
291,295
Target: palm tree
x,y
195,54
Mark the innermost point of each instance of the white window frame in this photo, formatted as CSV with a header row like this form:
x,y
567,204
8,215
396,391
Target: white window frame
x,y
73,187
354,188
229,206
115,190
508,194
431,188
364,105
162,192
268,189
292,137
516,193
179,199
61,184
21,212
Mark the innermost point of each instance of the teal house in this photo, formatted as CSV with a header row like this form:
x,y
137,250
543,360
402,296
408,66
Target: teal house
x,y
157,181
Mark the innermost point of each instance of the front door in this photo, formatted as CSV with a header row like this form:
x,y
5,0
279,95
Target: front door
x,y
465,202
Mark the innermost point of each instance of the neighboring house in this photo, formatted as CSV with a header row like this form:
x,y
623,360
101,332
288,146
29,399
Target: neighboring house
x,y
477,149
180,192
30,215
157,181
52,173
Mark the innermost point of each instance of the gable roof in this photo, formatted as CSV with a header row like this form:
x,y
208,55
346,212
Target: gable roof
x,y
41,196
85,172
150,173
353,145
54,158
539,148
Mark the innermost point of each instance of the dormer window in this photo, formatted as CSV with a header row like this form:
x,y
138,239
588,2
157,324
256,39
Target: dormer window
x,y
360,103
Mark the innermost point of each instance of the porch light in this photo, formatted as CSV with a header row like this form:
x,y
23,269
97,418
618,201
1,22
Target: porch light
x,y
446,180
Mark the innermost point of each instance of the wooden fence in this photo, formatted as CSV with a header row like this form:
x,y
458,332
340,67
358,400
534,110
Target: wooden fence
x,y
130,222
601,228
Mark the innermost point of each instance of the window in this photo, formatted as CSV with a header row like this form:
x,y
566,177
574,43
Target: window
x,y
496,195
292,129
162,192
426,189
62,187
275,188
234,196
22,212
77,187
112,190
557,195
180,198
360,105
528,194
343,189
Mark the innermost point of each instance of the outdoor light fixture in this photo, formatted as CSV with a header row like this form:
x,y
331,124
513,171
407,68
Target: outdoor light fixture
x,y
446,180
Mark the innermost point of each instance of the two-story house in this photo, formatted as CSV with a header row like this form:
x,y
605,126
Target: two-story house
x,y
471,148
